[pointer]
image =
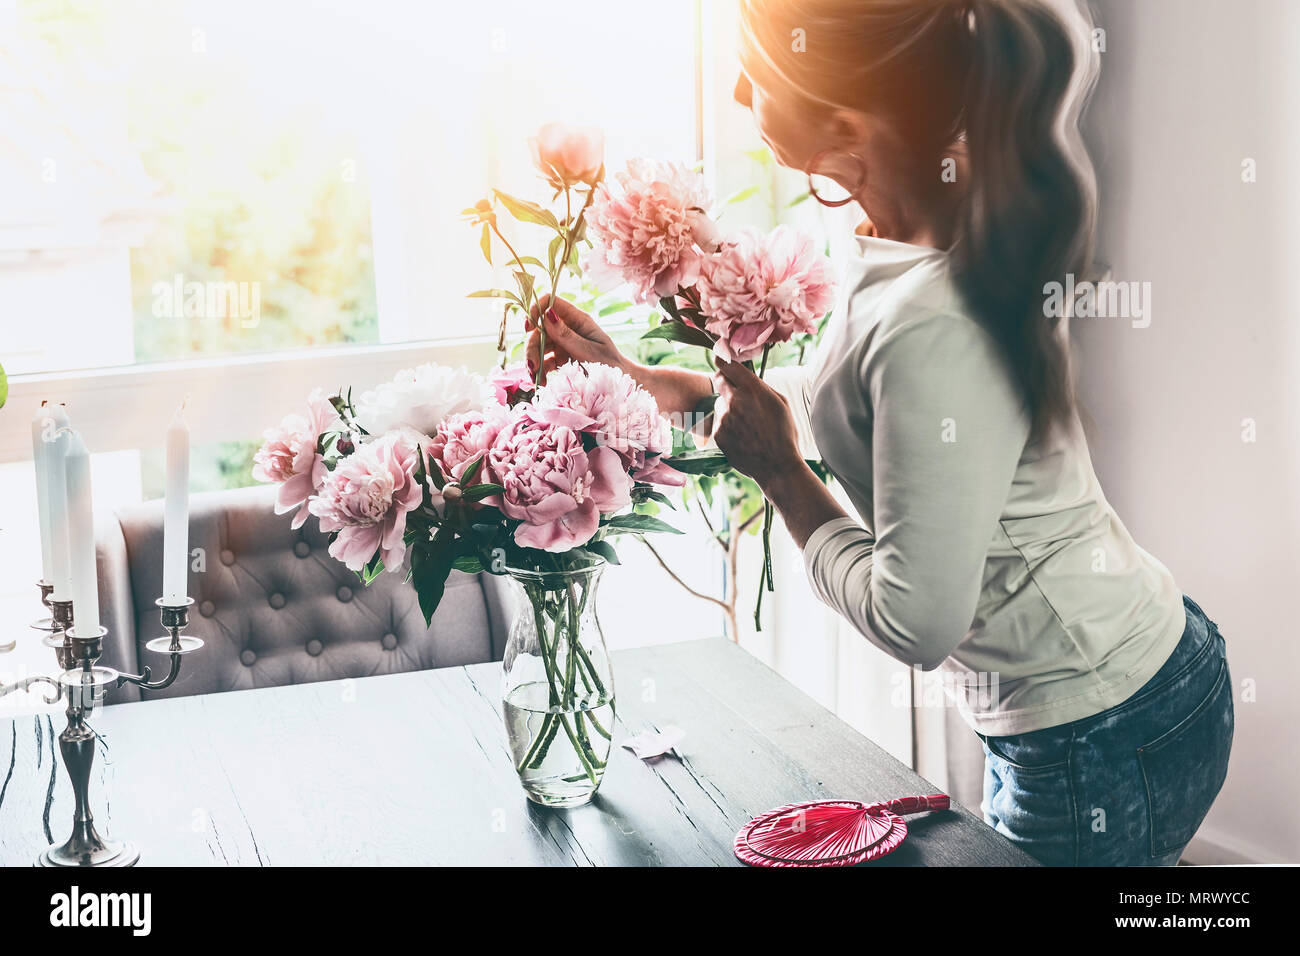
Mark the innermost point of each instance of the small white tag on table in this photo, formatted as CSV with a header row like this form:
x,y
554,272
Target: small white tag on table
x,y
655,743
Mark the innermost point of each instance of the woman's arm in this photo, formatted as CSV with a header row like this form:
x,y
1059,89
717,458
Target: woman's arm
x,y
573,335
948,431
758,432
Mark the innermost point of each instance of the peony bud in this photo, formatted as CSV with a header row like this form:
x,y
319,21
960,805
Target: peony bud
x,y
568,155
704,230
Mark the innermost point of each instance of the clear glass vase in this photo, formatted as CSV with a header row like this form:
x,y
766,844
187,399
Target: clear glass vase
x,y
557,688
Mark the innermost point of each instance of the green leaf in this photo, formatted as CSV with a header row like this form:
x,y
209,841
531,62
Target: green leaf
x,y
4,387
680,332
497,294
525,283
372,570
485,243
484,490
470,471
605,550
613,307
638,524
740,196
669,304
429,573
705,484
552,251
705,406
526,211
707,461
435,475
649,494
469,563
803,197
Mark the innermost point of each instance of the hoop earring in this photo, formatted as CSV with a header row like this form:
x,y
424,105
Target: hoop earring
x,y
832,203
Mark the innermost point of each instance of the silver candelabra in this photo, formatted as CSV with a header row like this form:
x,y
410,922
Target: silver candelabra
x,y
82,682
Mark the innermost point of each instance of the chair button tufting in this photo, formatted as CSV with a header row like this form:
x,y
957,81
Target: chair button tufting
x,y
389,641
207,609
302,549
276,600
247,657
314,647
344,594
227,557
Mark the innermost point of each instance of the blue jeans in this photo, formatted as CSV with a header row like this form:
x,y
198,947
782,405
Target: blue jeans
x,y
1128,786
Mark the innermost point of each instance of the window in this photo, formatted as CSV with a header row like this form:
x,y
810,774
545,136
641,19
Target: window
x,y
235,201
305,175
306,164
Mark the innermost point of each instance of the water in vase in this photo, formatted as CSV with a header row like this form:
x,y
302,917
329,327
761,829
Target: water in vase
x,y
559,751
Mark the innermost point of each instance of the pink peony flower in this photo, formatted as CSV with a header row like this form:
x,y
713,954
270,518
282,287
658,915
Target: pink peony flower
x,y
761,290
513,384
608,404
568,155
366,499
553,485
289,456
460,439
645,231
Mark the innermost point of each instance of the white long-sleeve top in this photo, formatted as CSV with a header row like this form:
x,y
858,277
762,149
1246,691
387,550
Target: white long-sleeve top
x,y
978,550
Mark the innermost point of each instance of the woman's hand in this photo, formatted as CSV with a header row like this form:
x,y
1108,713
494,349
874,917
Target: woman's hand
x,y
570,334
756,430
754,426
573,335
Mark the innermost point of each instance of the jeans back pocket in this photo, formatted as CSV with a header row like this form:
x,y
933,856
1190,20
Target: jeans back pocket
x,y
1184,768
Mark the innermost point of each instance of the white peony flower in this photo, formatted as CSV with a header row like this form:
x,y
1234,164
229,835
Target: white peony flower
x,y
421,398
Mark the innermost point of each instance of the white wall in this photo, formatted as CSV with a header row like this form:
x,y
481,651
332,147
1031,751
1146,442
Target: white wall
x,y
1190,88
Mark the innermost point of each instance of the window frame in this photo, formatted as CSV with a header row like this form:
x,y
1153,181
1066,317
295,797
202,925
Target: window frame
x,y
252,392
255,390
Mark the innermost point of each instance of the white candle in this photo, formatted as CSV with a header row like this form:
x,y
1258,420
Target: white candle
x,y
47,420
81,540
176,512
56,485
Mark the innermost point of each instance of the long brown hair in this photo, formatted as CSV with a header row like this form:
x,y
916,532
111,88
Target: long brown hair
x,y
1002,74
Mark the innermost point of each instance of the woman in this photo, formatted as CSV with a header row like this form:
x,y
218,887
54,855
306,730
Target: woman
x,y
940,398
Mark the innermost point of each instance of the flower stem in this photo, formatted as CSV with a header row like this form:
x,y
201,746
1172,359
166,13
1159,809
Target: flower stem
x,y
767,544
765,580
591,669
596,724
564,617
571,661
548,662
541,744
577,749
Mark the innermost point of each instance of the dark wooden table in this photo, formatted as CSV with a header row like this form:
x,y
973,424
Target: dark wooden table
x,y
413,769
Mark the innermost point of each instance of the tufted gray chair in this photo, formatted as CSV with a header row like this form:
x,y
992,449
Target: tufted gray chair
x,y
274,608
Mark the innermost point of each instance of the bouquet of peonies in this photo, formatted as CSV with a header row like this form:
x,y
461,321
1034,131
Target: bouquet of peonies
x,y
737,296
441,468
